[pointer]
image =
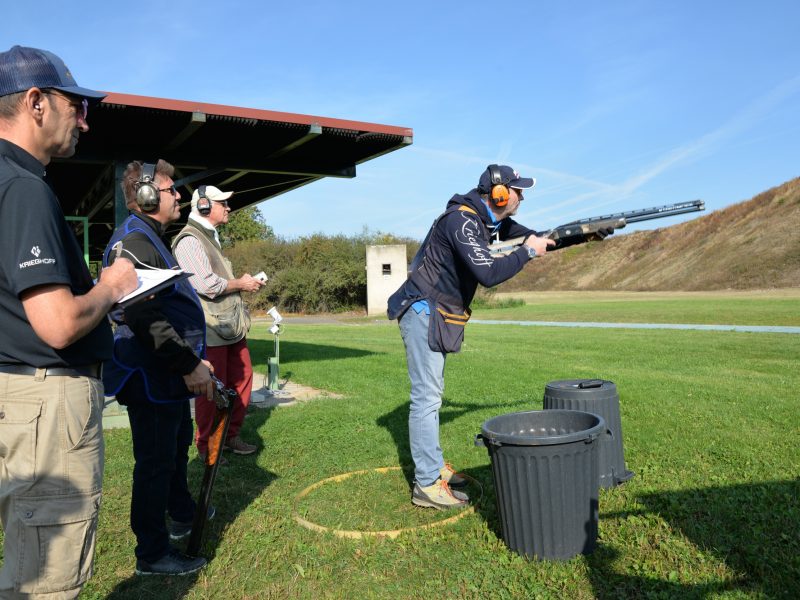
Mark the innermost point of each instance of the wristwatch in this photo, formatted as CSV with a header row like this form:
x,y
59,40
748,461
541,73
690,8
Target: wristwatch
x,y
531,251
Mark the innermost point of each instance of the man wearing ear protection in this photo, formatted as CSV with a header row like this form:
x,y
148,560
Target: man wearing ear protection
x,y
158,365
433,307
198,251
54,336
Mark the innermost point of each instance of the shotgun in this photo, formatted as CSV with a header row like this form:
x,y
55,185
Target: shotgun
x,y
223,398
597,228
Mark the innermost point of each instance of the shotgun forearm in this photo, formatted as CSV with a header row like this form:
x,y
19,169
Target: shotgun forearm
x,y
598,228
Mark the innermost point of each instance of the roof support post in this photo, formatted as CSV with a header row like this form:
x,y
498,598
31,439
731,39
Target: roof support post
x,y
120,204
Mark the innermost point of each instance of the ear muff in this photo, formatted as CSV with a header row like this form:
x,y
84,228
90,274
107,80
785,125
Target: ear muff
x,y
147,195
203,203
499,193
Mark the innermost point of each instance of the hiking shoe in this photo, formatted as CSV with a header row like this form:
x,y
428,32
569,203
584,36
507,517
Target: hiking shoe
x,y
239,446
452,477
172,563
438,496
221,460
179,530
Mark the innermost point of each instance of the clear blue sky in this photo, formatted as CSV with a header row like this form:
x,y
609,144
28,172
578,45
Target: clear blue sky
x,y
611,105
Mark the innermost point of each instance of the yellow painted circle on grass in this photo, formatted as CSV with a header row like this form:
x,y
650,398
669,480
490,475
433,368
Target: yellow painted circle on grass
x,y
389,533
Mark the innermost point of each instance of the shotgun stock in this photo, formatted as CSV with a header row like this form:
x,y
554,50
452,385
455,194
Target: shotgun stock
x,y
223,398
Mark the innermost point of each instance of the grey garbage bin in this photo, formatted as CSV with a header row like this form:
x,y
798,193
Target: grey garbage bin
x,y
545,472
599,397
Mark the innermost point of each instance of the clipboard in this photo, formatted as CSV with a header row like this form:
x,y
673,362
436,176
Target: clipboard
x,y
152,281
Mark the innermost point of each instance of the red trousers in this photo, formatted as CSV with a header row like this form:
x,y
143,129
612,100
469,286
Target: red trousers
x,y
233,367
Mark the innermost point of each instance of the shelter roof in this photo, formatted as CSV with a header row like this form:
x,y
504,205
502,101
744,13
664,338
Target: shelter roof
x,y
258,153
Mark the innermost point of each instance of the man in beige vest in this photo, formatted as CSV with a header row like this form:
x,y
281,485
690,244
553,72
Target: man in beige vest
x,y
197,249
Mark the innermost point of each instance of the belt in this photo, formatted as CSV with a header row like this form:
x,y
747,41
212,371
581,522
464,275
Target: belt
x,y
93,370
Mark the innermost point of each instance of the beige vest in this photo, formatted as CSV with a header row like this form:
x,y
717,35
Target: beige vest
x,y
227,318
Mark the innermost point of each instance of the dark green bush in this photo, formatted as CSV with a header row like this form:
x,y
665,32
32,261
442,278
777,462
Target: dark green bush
x,y
318,273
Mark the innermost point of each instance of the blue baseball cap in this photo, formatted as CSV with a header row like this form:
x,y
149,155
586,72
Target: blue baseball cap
x,y
22,68
508,177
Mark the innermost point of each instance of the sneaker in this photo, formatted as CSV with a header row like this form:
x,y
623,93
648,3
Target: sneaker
x,y
173,563
453,478
239,446
222,460
439,496
179,530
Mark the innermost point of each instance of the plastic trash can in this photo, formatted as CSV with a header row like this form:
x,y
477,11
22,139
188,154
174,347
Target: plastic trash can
x,y
545,472
599,397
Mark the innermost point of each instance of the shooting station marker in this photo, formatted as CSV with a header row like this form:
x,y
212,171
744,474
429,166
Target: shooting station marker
x,y
387,533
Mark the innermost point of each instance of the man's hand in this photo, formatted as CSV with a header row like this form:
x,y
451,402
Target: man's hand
x,y
199,380
120,277
539,244
605,231
599,235
248,283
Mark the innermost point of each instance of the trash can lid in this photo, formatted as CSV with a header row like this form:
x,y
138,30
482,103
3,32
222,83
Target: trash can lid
x,y
580,389
543,428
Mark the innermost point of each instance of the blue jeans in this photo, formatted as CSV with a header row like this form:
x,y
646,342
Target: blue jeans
x,y
162,434
426,372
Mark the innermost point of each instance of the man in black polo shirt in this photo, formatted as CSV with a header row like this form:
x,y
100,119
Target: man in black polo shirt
x,y
53,337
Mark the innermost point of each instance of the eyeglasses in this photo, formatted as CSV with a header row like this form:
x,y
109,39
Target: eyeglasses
x,y
171,189
223,202
81,106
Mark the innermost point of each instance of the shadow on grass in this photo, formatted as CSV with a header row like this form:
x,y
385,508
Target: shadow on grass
x,y
396,423
754,529
237,485
261,349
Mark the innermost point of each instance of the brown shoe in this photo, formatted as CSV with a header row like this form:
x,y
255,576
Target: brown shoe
x,y
239,446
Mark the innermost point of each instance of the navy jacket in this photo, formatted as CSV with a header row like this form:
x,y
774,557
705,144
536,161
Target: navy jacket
x,y
453,260
163,338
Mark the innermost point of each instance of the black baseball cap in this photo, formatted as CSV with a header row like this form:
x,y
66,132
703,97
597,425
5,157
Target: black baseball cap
x,y
508,177
22,68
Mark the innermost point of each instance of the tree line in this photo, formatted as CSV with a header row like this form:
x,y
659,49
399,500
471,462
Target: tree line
x,y
315,273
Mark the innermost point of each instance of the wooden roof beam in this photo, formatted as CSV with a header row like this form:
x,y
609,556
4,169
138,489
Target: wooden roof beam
x,y
197,120
314,130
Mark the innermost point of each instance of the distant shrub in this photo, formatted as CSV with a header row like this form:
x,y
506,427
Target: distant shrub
x,y
318,273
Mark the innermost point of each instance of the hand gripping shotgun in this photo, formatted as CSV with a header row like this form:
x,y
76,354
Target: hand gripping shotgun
x,y
597,228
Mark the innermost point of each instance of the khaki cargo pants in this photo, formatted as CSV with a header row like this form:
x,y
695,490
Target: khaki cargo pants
x,y
51,473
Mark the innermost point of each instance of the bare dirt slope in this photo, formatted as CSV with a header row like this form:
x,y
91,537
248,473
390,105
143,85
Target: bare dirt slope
x,y
750,245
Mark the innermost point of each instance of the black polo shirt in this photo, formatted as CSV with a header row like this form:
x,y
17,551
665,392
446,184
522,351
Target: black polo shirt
x,y
37,247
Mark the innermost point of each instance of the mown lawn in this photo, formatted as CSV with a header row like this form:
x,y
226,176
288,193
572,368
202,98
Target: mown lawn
x,y
770,307
710,425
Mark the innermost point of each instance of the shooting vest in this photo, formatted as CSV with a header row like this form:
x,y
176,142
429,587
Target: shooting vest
x,y
227,318
181,308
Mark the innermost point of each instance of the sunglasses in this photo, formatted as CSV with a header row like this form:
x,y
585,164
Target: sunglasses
x,y
171,189
81,105
223,202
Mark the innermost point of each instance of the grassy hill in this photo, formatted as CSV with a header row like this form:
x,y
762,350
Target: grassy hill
x,y
750,245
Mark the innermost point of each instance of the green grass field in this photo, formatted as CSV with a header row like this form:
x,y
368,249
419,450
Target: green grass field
x,y
710,426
